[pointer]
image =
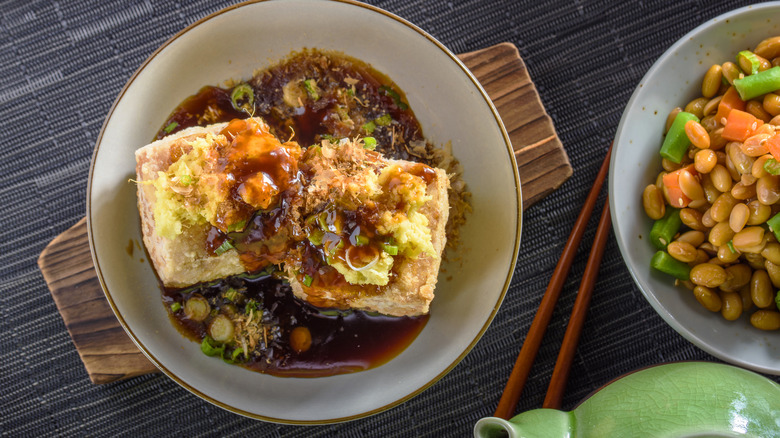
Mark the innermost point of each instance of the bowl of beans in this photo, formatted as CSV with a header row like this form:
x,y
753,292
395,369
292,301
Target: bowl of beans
x,y
695,187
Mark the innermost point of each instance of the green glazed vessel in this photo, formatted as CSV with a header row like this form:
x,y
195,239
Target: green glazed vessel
x,y
685,399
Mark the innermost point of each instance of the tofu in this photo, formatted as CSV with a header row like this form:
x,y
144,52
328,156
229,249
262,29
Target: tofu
x,y
183,261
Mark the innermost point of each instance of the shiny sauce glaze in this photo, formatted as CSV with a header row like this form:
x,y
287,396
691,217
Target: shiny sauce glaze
x,y
349,99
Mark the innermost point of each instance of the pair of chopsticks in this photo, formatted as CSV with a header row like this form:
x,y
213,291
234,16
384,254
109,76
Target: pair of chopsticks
x,y
522,367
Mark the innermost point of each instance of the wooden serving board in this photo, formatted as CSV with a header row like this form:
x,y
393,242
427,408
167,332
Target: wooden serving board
x,y
109,354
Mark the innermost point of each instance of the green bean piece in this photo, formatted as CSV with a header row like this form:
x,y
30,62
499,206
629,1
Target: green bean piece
x,y
760,83
676,141
667,264
752,59
665,228
774,225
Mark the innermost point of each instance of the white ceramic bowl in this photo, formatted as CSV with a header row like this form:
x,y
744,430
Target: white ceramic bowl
x,y
450,105
674,80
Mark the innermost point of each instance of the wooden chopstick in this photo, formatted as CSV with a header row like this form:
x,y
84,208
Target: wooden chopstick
x,y
560,374
514,386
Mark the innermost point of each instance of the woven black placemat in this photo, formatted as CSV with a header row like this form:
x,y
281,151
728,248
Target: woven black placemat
x,y
63,63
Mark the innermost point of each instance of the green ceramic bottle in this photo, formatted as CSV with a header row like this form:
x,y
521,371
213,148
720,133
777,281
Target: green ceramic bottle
x,y
685,399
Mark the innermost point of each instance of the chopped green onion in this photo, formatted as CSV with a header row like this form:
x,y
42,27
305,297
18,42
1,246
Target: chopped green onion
x,y
730,244
307,280
238,226
242,92
226,246
772,166
774,225
330,138
361,240
385,120
315,237
669,265
758,84
676,141
335,312
231,294
396,97
390,249
369,127
340,244
665,228
251,306
369,143
175,307
322,220
234,356
350,92
185,179
751,58
311,88
170,127
210,347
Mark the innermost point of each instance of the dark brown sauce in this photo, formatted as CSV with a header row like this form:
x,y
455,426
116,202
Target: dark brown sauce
x,y
352,99
351,95
341,342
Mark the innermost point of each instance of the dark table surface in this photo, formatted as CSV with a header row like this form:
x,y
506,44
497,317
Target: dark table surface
x,y
62,64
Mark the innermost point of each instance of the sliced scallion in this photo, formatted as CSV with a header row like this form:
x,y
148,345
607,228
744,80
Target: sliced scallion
x,y
210,347
175,307
226,246
242,97
171,126
730,244
369,143
390,249
396,97
772,166
185,180
361,240
315,237
307,280
369,127
384,120
311,88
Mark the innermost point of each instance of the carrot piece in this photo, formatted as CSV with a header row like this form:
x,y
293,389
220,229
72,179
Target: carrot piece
x,y
740,125
774,146
677,198
729,102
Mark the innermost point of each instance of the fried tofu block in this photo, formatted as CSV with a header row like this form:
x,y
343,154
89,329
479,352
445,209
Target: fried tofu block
x,y
409,202
182,261
411,289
